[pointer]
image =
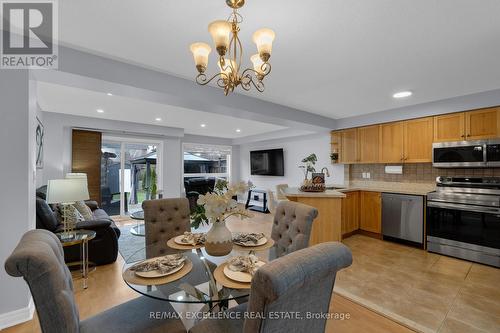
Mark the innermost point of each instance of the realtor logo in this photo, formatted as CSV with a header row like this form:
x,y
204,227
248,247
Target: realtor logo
x,y
29,34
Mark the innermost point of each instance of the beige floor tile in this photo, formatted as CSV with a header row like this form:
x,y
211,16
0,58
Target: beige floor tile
x,y
469,314
456,326
482,274
451,266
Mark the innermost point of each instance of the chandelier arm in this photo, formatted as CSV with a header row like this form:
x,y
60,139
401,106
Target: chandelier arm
x,y
266,68
201,79
247,81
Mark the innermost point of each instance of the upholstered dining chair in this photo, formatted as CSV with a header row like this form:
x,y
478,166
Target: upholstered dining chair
x,y
298,283
39,259
280,191
291,228
164,219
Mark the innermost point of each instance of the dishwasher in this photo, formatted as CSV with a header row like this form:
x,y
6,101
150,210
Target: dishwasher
x,y
403,218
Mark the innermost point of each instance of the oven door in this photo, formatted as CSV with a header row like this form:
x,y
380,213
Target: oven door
x,y
477,225
459,154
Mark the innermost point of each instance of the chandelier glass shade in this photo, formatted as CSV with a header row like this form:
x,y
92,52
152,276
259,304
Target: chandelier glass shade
x,y
230,51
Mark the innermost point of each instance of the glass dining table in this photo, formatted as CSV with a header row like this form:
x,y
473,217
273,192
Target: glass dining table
x,y
197,286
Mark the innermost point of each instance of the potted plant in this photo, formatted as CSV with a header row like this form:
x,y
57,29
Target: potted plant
x,y
215,207
308,165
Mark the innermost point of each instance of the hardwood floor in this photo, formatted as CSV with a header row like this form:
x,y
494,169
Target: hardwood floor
x,y
107,289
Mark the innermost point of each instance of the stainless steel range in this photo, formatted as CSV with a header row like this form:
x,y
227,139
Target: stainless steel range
x,y
463,219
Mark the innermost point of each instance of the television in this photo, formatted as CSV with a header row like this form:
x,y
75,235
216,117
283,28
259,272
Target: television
x,y
267,162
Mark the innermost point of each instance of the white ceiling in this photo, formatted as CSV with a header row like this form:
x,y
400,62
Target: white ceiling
x,y
331,57
80,102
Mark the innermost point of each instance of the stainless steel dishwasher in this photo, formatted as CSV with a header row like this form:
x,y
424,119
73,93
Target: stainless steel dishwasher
x,y
403,217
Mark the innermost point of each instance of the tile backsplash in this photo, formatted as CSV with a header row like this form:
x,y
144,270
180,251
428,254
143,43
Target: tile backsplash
x,y
414,173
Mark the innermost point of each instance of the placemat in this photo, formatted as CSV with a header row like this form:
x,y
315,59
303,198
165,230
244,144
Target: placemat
x,y
227,282
130,277
268,245
173,245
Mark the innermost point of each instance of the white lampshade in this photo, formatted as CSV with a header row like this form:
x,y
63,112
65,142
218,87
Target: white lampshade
x,y
76,175
200,51
264,38
220,31
229,67
257,63
67,190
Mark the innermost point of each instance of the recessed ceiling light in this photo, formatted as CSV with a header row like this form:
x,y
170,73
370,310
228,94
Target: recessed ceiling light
x,y
197,154
158,119
402,94
109,94
203,125
100,110
238,130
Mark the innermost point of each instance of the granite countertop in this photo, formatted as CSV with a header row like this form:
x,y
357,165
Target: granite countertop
x,y
388,187
295,192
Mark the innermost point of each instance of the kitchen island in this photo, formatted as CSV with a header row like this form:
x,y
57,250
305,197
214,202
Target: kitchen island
x,y
327,226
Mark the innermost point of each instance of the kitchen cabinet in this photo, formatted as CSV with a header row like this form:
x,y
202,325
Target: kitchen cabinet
x,y
482,124
391,142
368,144
449,127
370,212
349,151
350,212
417,144
470,125
335,143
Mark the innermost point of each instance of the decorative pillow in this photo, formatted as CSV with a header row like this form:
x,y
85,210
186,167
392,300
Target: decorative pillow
x,y
84,210
73,214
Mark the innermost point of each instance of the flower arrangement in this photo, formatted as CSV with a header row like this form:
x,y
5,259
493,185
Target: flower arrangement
x,y
308,165
220,204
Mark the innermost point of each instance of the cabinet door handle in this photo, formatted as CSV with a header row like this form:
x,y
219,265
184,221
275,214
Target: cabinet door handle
x,y
468,135
463,135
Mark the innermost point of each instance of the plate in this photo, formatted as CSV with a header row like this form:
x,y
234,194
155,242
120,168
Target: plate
x,y
156,274
240,276
179,241
261,241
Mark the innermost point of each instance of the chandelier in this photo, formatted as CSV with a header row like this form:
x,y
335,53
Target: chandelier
x,y
230,50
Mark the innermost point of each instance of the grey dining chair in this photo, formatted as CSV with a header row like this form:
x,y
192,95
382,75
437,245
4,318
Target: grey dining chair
x,y
164,219
39,259
291,228
299,283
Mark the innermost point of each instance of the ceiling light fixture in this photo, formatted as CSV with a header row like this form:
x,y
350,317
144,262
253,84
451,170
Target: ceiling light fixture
x,y
402,94
238,130
100,110
158,119
228,46
109,94
203,125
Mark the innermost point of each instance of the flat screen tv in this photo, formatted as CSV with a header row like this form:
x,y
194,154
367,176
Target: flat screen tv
x,y
267,162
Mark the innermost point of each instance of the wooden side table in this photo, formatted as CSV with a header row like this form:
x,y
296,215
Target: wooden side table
x,y
81,237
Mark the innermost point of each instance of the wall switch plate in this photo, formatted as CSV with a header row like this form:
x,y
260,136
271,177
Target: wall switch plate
x,y
363,175
368,175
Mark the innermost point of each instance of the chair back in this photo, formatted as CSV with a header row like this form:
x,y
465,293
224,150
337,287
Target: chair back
x,y
164,219
39,259
280,191
301,282
291,227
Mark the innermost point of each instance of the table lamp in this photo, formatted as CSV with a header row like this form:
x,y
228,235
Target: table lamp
x,y
67,192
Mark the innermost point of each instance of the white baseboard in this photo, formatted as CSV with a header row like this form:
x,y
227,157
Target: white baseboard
x,y
17,316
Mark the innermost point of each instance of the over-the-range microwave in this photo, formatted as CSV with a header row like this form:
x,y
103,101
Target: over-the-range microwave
x,y
466,154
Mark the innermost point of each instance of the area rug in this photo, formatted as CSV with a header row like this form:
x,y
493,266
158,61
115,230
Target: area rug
x,y
129,244
423,291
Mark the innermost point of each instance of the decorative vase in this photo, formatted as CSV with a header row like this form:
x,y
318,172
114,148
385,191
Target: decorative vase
x,y
219,240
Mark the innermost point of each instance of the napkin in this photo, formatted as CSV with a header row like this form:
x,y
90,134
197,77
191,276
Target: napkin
x,y
193,239
248,238
163,264
245,264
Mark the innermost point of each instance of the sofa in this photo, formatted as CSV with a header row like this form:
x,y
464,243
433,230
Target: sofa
x,y
103,249
194,187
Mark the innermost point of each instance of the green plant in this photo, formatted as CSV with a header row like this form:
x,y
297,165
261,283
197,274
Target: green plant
x,y
308,164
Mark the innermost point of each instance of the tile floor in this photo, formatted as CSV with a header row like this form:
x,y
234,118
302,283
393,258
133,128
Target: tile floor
x,y
424,291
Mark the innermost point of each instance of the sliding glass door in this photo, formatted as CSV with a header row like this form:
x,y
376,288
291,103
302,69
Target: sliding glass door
x,y
129,175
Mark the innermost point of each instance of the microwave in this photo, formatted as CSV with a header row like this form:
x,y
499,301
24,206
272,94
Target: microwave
x,y
466,154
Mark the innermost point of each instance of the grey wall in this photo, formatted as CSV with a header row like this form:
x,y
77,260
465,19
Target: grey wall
x,y
17,177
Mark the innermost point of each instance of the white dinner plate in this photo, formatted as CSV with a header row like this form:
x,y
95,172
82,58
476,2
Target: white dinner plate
x,y
261,241
157,274
240,276
178,240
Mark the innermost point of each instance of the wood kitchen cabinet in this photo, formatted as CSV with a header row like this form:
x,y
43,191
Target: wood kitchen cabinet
x,y
482,124
370,212
417,140
470,125
391,142
350,212
368,144
349,150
